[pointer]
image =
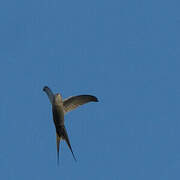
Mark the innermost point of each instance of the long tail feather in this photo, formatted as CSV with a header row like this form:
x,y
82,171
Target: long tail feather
x,y
65,135
57,142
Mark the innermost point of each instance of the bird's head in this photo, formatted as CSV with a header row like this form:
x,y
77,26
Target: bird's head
x,y
58,98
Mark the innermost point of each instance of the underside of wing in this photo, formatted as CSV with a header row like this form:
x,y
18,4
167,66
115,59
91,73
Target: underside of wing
x,y
75,101
49,93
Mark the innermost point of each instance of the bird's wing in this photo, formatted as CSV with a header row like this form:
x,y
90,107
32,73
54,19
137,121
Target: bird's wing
x,y
49,93
57,142
75,101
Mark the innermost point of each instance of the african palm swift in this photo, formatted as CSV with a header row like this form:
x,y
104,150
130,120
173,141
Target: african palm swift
x,y
59,108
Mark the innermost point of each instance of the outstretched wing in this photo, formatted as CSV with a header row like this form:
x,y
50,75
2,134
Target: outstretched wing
x,y
49,93
75,101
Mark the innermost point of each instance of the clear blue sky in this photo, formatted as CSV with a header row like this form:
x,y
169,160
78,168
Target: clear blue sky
x,y
127,53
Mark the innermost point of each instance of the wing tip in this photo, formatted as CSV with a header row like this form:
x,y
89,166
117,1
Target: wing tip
x,y
95,99
45,87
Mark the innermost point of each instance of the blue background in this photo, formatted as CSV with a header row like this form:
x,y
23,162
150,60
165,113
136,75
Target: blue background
x,y
127,53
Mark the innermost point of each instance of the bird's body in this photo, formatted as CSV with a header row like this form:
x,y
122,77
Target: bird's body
x,y
58,117
59,108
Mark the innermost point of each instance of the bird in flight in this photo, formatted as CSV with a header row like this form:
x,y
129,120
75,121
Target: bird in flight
x,y
59,108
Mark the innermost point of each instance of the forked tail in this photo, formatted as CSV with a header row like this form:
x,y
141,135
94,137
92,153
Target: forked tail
x,y
65,137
